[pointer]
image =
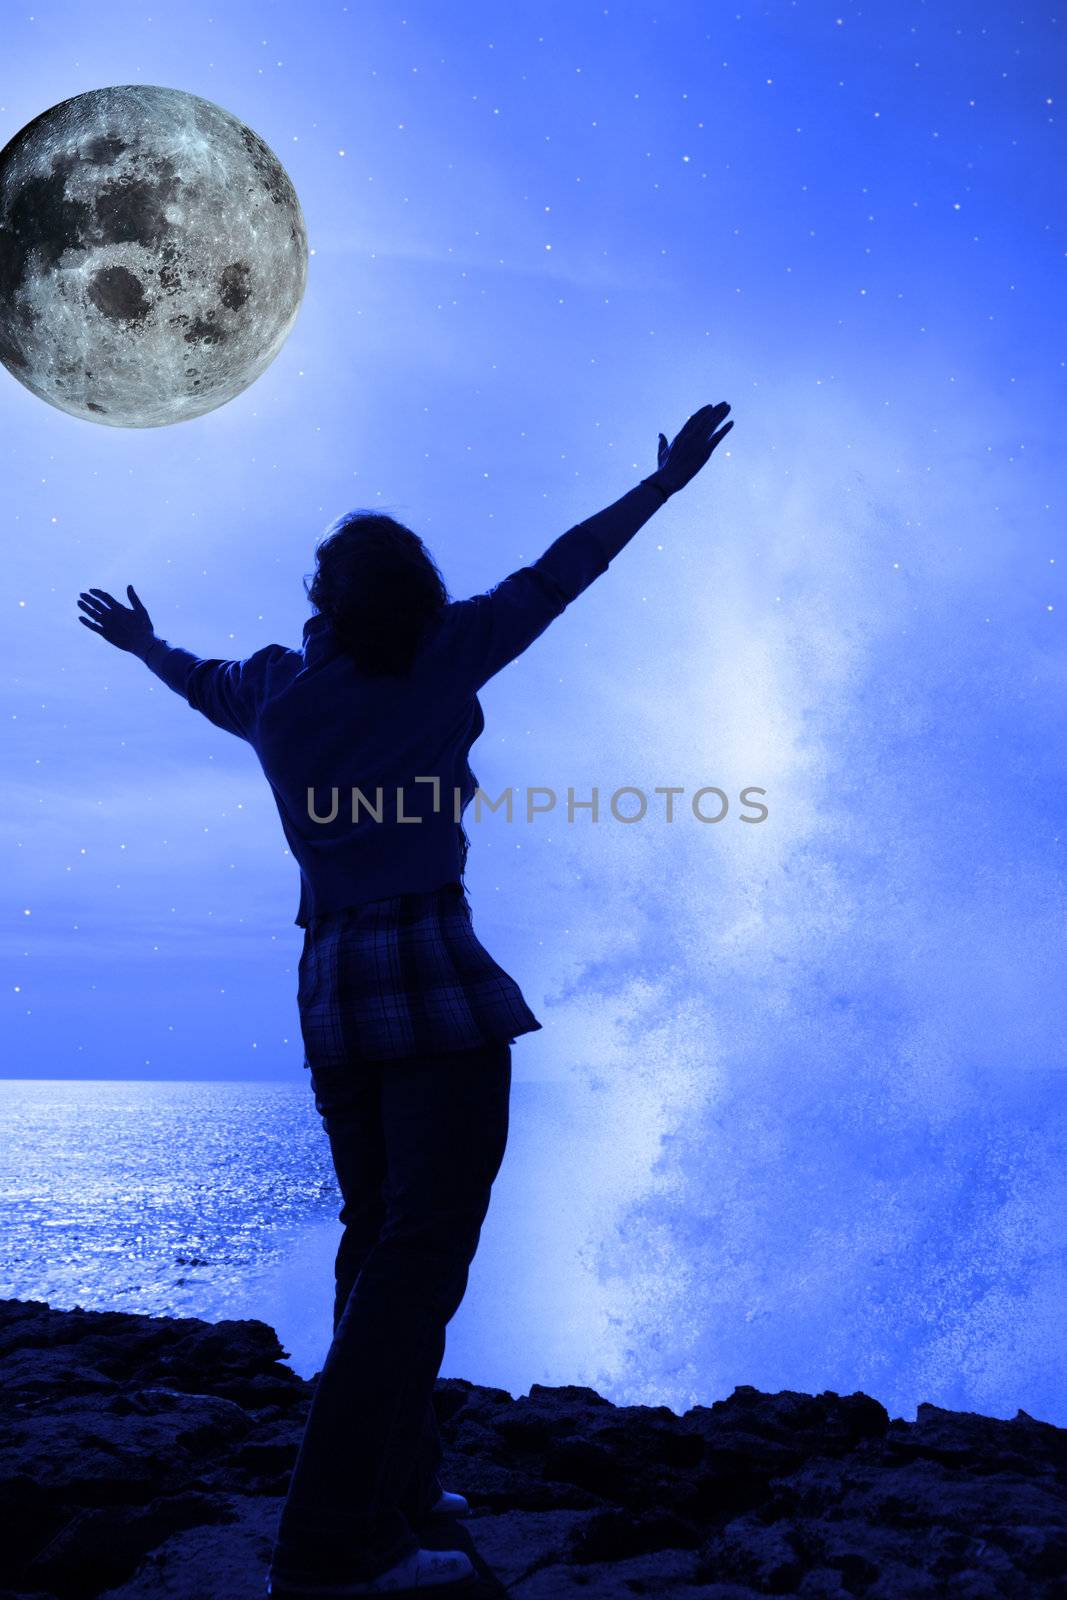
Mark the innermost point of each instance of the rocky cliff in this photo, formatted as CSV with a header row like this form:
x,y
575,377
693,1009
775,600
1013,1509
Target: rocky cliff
x,y
147,1456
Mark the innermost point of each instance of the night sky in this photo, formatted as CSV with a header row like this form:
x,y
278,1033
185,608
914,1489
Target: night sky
x,y
820,1058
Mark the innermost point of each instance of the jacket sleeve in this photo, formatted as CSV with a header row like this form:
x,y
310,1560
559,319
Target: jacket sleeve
x,y
491,629
229,693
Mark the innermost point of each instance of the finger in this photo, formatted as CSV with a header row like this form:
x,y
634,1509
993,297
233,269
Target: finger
x,y
92,626
721,435
702,421
716,424
94,608
137,606
103,595
706,413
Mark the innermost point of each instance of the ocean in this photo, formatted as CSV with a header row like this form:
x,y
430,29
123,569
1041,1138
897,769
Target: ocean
x,y
154,1197
217,1200
608,1257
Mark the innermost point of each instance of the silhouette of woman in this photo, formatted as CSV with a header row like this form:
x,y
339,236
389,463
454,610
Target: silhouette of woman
x,y
407,1021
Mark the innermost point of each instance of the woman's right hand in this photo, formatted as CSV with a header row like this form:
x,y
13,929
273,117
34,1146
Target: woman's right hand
x,y
683,458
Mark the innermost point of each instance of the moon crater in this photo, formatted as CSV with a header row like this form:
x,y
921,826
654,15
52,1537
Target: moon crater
x,y
138,224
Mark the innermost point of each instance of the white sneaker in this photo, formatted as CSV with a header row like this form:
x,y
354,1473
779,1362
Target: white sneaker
x,y
450,1505
417,1574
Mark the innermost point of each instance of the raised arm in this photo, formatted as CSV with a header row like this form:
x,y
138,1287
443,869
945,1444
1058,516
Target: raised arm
x,y
227,693
491,629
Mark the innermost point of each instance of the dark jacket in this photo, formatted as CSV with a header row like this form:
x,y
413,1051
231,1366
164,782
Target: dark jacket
x,y
316,722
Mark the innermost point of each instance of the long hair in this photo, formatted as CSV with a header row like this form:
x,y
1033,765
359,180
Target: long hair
x,y
379,587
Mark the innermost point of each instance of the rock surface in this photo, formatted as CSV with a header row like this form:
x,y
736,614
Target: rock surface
x,y
143,1457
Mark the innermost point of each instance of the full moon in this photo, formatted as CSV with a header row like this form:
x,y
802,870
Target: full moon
x,y
153,256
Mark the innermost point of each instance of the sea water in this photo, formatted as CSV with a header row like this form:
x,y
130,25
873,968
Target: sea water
x,y
216,1200
153,1197
655,1270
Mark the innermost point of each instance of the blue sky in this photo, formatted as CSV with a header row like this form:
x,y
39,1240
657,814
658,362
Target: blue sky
x,y
554,231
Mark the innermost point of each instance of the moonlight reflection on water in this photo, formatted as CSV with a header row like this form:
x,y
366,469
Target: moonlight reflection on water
x,y
153,1197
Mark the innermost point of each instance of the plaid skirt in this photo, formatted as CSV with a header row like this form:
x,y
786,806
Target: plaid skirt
x,y
406,976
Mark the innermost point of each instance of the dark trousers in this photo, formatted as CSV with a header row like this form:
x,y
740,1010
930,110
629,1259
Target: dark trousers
x,y
416,1145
